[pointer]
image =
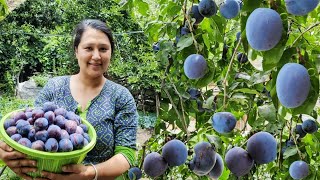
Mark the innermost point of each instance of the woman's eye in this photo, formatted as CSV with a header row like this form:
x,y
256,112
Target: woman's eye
x,y
88,48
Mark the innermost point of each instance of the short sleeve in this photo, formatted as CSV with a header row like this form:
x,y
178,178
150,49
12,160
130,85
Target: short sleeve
x,y
126,120
46,94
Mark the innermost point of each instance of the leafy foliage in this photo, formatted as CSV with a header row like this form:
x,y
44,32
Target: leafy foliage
x,y
247,90
36,38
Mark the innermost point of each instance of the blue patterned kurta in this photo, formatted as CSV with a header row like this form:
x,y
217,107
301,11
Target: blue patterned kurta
x,y
112,113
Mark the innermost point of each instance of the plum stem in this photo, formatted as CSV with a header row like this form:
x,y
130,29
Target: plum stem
x,y
295,140
227,73
176,109
308,29
190,26
184,123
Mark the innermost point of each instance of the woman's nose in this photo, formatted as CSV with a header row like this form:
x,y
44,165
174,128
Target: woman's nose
x,y
96,55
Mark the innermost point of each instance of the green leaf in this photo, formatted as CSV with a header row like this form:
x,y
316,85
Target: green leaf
x,y
214,140
185,41
142,6
204,81
247,91
267,111
272,57
290,151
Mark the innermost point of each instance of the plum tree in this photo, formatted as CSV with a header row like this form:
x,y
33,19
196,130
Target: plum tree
x,y
262,147
194,13
309,126
238,161
223,122
229,9
217,169
264,29
154,164
293,85
301,8
204,158
195,66
134,173
299,170
207,8
175,152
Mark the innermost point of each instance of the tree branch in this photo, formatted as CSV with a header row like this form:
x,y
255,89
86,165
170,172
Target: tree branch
x,y
308,29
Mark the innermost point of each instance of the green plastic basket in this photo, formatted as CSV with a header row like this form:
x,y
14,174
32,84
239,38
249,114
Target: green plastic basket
x,y
48,161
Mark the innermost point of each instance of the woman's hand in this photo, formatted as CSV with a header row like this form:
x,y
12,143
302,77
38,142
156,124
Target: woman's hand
x,y
17,161
73,172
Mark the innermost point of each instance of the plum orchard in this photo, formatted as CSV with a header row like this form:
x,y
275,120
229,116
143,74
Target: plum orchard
x,y
247,74
48,128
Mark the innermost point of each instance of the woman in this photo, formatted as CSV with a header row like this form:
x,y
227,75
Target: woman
x,y
108,106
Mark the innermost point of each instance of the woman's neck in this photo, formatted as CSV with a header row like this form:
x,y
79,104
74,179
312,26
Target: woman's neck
x,y
90,82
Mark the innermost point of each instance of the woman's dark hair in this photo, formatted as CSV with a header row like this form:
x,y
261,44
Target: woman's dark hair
x,y
95,24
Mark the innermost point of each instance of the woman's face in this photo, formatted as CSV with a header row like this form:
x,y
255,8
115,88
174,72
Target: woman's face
x,y
93,53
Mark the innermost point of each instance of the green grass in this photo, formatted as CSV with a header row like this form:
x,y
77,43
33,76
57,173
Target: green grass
x,y
8,104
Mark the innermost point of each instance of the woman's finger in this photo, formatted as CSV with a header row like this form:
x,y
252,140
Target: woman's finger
x,y
14,155
5,146
49,175
19,172
74,168
21,163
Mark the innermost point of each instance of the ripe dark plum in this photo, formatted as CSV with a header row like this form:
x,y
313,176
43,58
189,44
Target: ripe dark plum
x,y
194,13
49,115
262,147
19,115
51,145
8,123
204,158
264,29
134,173
38,145
293,85
207,8
65,145
25,142
54,131
37,113
77,140
11,130
60,111
217,169
238,161
299,170
60,121
242,58
72,116
309,126
64,134
298,130
229,9
79,130
175,152
31,121
28,114
84,127
41,124
301,8
195,66
87,137
16,137
31,134
223,122
49,106
23,127
71,126
154,164
41,135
